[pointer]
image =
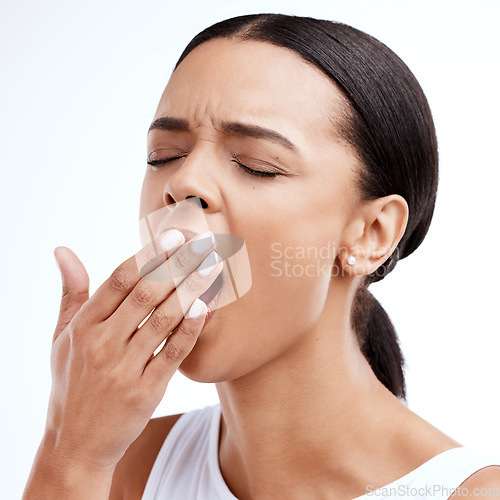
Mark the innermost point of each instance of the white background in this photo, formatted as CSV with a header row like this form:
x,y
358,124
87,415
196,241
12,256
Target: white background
x,y
80,85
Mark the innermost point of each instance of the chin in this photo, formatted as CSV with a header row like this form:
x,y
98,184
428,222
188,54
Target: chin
x,y
208,360
225,348
198,368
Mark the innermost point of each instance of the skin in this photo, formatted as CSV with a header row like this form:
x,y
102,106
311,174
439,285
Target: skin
x,y
303,413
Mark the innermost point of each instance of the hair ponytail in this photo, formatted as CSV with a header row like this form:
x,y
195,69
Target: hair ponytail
x,y
378,341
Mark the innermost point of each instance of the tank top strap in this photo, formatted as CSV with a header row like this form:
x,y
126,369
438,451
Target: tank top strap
x,y
449,469
438,478
182,457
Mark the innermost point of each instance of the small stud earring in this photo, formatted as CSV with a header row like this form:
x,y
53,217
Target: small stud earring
x,y
351,260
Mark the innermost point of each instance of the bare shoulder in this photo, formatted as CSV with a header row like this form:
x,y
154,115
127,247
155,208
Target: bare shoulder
x,y
484,483
132,471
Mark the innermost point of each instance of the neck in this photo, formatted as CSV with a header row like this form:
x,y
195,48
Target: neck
x,y
312,413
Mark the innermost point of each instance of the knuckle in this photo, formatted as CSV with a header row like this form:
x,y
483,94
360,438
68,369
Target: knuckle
x,y
186,330
143,294
160,320
114,379
95,353
191,283
120,280
148,261
173,350
135,397
150,253
78,332
181,260
92,345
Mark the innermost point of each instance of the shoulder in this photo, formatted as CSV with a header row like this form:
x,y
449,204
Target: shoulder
x,y
484,483
132,471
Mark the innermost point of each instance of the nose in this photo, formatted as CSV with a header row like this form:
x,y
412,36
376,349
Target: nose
x,y
195,178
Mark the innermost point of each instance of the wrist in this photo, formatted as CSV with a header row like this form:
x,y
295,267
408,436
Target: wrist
x,y
63,456
57,473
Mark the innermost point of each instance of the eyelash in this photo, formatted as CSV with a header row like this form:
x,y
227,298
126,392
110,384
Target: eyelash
x,y
256,173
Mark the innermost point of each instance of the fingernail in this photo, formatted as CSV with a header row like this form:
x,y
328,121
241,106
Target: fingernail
x,y
209,264
171,240
196,310
203,242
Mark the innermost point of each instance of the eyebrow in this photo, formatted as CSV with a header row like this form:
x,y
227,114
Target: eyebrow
x,y
228,128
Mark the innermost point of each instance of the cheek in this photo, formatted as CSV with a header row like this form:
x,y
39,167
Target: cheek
x,y
290,256
151,193
292,239
302,234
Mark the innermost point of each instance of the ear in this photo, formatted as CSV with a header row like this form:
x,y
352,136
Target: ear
x,y
373,234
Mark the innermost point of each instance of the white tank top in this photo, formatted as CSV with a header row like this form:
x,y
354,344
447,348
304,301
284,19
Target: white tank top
x,y
187,466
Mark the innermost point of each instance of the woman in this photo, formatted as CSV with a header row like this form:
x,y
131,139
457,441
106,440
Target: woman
x,y
295,134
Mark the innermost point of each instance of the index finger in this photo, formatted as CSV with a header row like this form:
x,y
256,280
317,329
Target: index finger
x,y
123,279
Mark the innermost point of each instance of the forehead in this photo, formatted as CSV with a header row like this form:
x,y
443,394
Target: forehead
x,y
251,81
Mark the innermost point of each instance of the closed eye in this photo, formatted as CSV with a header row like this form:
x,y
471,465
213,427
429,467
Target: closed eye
x,y
257,173
250,171
154,163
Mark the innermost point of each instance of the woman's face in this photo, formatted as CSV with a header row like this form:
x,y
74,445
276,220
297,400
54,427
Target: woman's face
x,y
291,223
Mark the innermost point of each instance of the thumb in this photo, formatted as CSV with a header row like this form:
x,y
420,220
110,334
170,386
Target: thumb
x,y
75,286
